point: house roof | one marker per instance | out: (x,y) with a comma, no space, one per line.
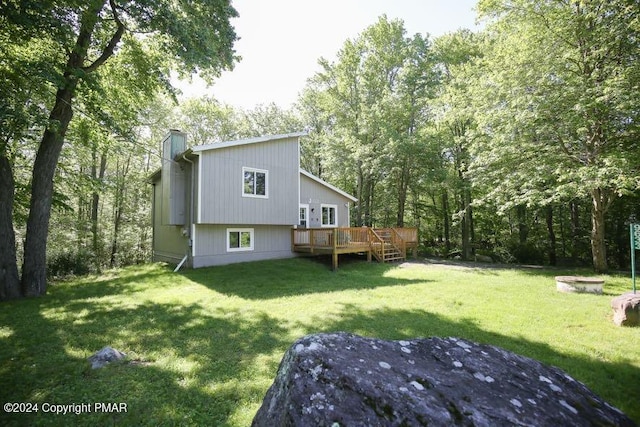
(326,184)
(225,144)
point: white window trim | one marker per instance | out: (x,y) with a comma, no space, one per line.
(266,183)
(240,230)
(306,208)
(335,207)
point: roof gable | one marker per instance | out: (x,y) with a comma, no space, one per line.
(226,144)
(326,184)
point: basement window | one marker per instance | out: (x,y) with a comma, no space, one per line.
(239,239)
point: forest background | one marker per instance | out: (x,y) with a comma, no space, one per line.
(518,142)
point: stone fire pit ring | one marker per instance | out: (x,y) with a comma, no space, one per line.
(579,284)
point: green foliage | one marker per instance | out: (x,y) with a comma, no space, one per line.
(103,60)
(204,346)
(70,263)
(555,94)
(206,120)
(368,108)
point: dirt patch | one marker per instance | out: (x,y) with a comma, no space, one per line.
(463,265)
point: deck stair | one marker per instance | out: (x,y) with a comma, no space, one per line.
(387,245)
(383,244)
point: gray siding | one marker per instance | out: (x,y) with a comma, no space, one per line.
(210,244)
(315,194)
(173,180)
(220,184)
(169,242)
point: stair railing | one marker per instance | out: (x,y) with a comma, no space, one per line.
(376,244)
(399,242)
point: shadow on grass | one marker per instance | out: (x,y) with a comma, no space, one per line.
(122,282)
(194,364)
(617,383)
(291,277)
(187,364)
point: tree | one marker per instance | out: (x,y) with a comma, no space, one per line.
(558,92)
(196,37)
(22,72)
(373,100)
(456,53)
(206,120)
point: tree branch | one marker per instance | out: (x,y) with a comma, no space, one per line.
(111,46)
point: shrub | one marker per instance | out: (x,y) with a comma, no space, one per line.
(70,263)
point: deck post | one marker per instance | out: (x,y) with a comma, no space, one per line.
(311,239)
(334,252)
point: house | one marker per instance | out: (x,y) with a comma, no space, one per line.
(238,201)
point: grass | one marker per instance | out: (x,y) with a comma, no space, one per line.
(204,345)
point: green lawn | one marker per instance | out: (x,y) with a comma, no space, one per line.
(204,345)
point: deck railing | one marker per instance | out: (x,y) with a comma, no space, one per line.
(377,245)
(398,242)
(330,237)
(375,242)
(409,235)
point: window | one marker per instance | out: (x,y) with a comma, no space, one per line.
(239,239)
(329,215)
(304,216)
(255,182)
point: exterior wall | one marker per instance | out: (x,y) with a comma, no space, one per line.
(315,195)
(220,184)
(173,179)
(210,244)
(170,243)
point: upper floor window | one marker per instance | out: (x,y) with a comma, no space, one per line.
(255,182)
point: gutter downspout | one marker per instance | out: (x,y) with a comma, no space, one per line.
(181,262)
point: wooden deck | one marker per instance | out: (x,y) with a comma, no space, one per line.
(385,244)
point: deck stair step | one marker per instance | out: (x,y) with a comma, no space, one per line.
(391,253)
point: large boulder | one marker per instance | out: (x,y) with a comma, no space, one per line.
(342,379)
(626,309)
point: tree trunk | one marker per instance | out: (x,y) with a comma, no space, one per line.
(403,186)
(98,177)
(575,231)
(552,236)
(466,223)
(523,228)
(34,271)
(446,217)
(368,201)
(359,195)
(9,280)
(118,209)
(600,201)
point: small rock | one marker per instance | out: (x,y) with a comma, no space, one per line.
(104,356)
